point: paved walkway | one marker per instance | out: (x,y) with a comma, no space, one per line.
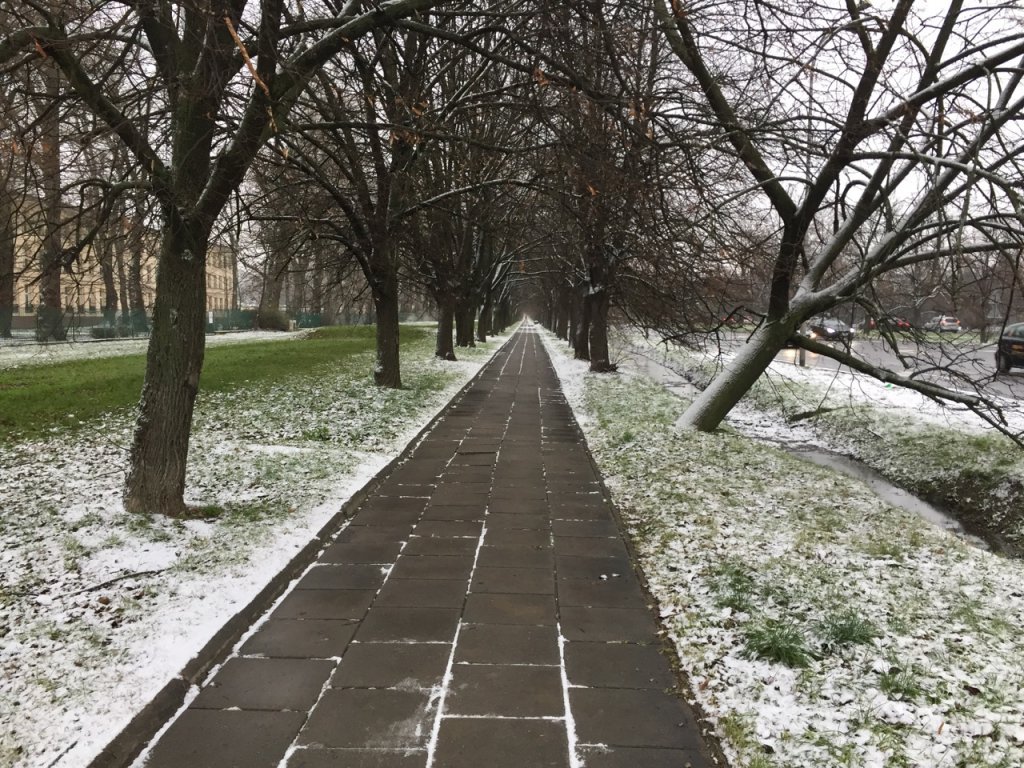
(480,611)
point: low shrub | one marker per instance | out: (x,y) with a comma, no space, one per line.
(272,320)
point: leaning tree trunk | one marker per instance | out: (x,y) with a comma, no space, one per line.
(159,452)
(444,349)
(599,358)
(732,383)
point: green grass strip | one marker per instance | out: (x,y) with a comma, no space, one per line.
(36,399)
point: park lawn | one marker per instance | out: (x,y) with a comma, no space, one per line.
(39,399)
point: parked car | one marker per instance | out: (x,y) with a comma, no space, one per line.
(943,324)
(1010,350)
(829,329)
(895,325)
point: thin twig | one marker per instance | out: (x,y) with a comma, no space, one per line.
(114,580)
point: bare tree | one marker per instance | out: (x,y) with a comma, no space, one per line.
(211,84)
(836,113)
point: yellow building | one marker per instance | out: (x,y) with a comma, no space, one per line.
(82,285)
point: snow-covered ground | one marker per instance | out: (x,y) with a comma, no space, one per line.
(818,625)
(98,608)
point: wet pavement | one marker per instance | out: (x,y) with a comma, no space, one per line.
(480,611)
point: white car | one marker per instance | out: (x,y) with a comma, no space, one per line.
(943,324)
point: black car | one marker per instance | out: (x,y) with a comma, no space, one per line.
(829,329)
(1010,352)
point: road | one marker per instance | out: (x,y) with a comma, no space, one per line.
(969,362)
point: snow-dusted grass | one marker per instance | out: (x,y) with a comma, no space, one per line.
(19,352)
(818,625)
(98,608)
(945,454)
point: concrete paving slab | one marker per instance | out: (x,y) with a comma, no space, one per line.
(617,665)
(505,691)
(392,665)
(432,593)
(576,545)
(357,553)
(387,623)
(503,557)
(375,534)
(631,718)
(594,529)
(271,684)
(608,625)
(214,738)
(527,539)
(476,743)
(507,644)
(449,512)
(602,593)
(510,609)
(446,528)
(434,545)
(582,567)
(325,604)
(369,719)
(330,576)
(313,757)
(512,581)
(433,567)
(634,757)
(304,639)
(497,521)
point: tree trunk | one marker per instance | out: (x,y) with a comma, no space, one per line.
(444,348)
(565,317)
(6,262)
(581,349)
(483,326)
(159,452)
(599,358)
(464,317)
(729,386)
(503,315)
(122,281)
(50,315)
(573,322)
(273,287)
(136,298)
(109,284)
(387,373)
